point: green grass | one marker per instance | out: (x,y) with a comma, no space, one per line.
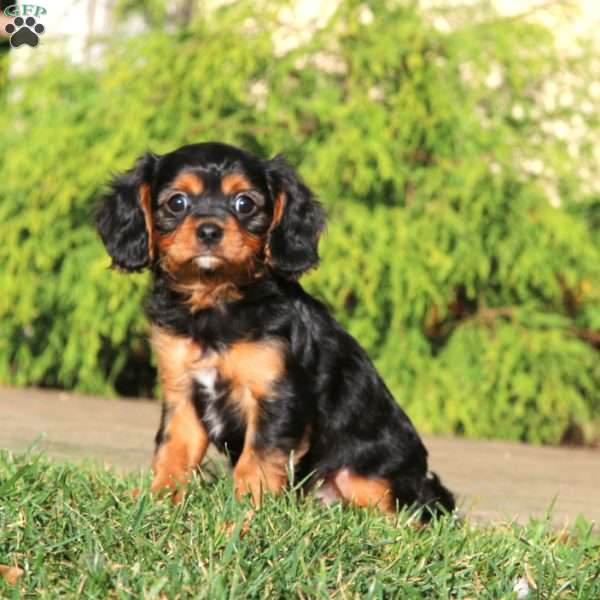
(77,533)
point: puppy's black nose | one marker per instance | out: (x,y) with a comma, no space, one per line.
(209,233)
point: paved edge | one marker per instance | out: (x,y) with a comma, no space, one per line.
(493,480)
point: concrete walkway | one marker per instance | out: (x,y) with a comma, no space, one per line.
(494,480)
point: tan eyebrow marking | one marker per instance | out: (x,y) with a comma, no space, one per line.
(188,182)
(236,182)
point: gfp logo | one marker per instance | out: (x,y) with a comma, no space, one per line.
(25,10)
(24,29)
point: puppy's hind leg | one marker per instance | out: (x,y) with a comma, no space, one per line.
(362,491)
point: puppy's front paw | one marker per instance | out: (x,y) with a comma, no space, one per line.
(173,488)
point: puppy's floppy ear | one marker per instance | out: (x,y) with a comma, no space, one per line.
(124,217)
(298,221)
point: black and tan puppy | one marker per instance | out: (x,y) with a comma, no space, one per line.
(247,359)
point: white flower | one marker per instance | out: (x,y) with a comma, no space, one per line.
(561,130)
(534,166)
(330,63)
(566,99)
(365,15)
(466,72)
(553,198)
(549,103)
(259,91)
(517,112)
(494,78)
(573,149)
(441,24)
(376,93)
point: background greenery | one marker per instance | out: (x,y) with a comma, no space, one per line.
(463,241)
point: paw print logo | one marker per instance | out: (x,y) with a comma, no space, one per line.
(24,31)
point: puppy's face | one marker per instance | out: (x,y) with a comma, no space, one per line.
(209,212)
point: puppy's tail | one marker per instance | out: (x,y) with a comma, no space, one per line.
(435,498)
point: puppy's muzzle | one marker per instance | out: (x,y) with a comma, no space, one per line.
(209,234)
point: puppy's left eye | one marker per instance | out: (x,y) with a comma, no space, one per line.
(244,204)
(177,203)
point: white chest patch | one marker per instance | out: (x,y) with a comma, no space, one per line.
(207,378)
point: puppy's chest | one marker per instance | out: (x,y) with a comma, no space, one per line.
(227,387)
(230,386)
(213,400)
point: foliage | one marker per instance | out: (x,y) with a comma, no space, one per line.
(462,249)
(78,532)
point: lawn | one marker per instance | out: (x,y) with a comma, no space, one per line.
(77,532)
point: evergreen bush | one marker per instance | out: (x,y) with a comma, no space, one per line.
(462,248)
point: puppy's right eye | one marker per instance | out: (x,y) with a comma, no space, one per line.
(178,203)
(244,204)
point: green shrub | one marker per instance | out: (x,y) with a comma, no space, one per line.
(476,296)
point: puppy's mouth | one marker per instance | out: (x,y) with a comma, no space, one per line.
(208,262)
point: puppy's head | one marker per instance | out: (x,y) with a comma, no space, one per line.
(211,213)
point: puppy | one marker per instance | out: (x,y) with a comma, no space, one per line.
(249,361)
